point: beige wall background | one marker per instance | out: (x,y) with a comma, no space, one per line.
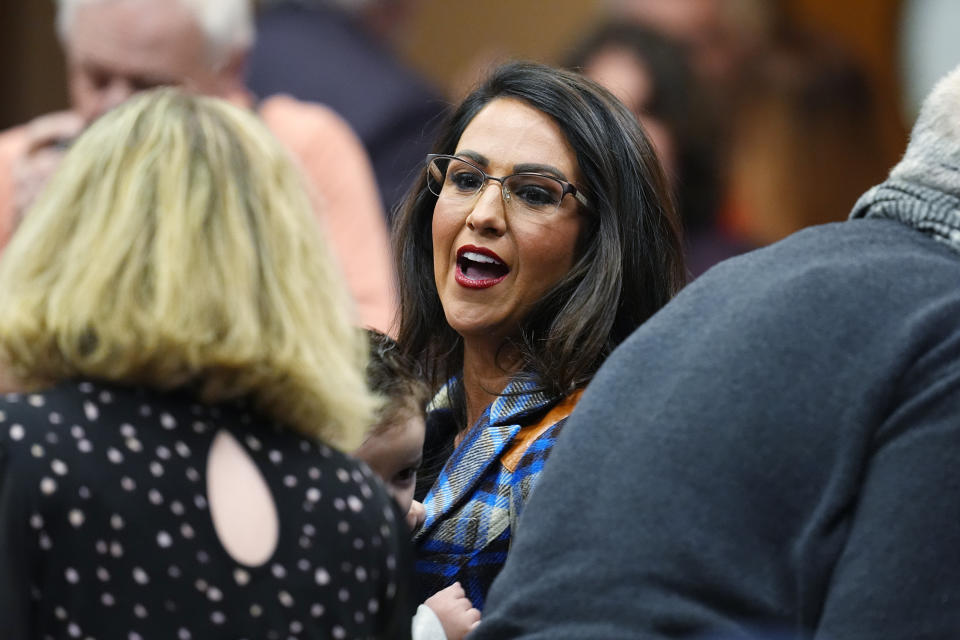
(449,39)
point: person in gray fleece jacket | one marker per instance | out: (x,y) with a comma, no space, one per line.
(776,453)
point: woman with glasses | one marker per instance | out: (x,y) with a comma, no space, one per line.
(538,236)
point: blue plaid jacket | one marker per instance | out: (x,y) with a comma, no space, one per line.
(474,504)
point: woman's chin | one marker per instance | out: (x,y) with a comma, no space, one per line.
(477,328)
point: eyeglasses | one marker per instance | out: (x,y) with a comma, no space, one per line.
(458,181)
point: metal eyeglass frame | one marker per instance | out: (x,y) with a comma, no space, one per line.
(567,187)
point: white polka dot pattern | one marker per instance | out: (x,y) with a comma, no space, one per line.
(120,523)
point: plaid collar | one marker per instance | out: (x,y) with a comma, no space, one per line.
(481,446)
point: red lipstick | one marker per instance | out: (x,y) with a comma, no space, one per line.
(479,267)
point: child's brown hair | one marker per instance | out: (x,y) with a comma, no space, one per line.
(397,379)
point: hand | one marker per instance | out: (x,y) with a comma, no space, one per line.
(46,137)
(416,515)
(457,615)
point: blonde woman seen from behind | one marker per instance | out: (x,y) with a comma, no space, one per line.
(189,373)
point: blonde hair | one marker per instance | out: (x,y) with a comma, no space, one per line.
(227,25)
(176,247)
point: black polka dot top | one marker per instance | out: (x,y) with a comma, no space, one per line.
(106,532)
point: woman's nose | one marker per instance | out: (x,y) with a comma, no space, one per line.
(489,213)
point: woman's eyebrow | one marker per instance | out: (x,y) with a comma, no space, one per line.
(526,167)
(478,158)
(530,167)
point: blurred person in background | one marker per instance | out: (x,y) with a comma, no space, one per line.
(797,124)
(649,72)
(115,48)
(806,139)
(186,368)
(720,35)
(338,53)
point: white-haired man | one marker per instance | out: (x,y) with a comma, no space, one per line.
(115,48)
(775,453)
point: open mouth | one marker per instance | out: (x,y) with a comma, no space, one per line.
(479,268)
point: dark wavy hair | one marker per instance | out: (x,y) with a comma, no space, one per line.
(629,262)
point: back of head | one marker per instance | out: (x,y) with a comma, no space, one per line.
(176,247)
(933,156)
(227,25)
(629,260)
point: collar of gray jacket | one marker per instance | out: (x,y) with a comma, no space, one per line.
(923,189)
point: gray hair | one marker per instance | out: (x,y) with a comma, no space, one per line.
(933,155)
(226,24)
